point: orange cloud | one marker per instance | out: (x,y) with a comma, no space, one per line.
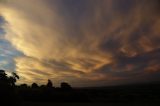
(56,46)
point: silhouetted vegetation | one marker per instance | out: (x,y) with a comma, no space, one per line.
(13,93)
(65,86)
(44,93)
(49,84)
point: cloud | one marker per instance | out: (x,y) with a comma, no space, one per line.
(74,40)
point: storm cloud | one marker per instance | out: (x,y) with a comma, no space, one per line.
(84,42)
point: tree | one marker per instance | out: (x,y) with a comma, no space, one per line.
(65,86)
(49,84)
(3,78)
(23,86)
(3,75)
(13,79)
(34,85)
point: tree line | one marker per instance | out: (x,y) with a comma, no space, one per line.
(9,91)
(6,80)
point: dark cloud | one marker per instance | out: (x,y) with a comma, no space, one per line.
(124,6)
(134,68)
(86,42)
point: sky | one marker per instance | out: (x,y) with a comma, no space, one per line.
(82,42)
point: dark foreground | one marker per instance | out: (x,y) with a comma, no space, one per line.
(129,95)
(89,104)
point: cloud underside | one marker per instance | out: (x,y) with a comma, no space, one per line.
(99,42)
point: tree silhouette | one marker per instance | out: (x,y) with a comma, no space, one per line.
(5,80)
(24,86)
(13,79)
(65,86)
(34,85)
(49,84)
(3,77)
(7,86)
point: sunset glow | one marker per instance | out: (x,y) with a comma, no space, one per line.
(83,42)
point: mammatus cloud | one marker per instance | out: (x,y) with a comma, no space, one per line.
(86,43)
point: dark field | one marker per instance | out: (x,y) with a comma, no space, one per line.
(129,95)
(132,95)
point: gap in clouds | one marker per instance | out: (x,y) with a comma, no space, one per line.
(7,52)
